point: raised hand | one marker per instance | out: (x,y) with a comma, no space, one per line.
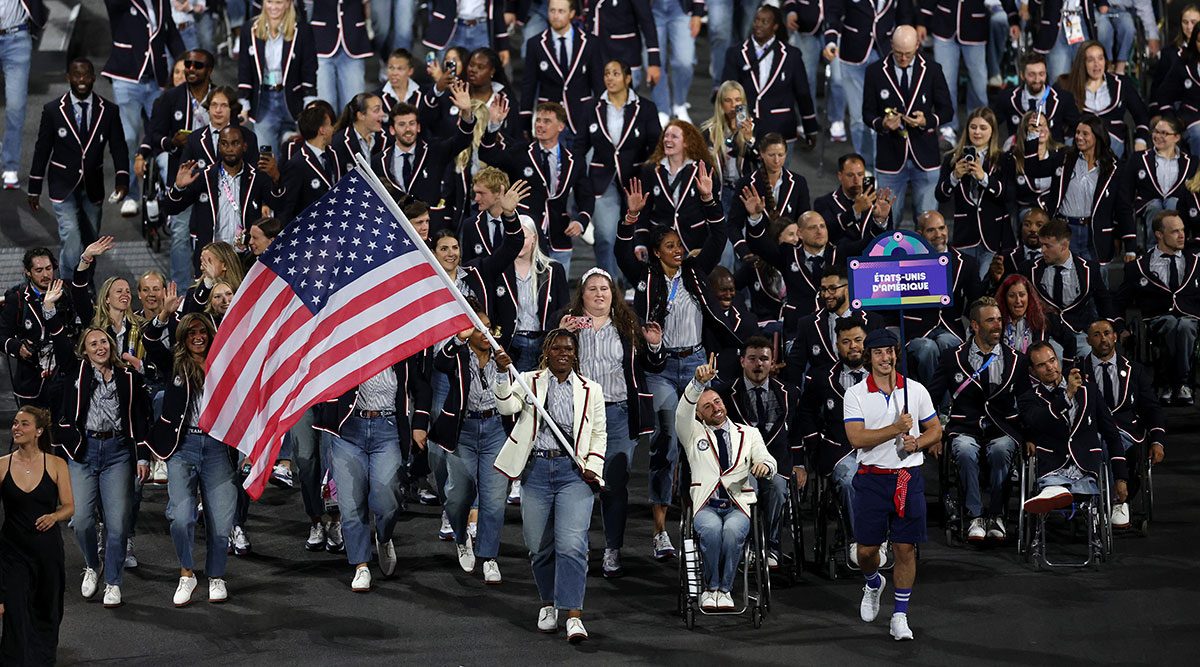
(98,247)
(752,201)
(460,95)
(705,373)
(187,174)
(704,182)
(498,109)
(170,302)
(53,294)
(634,197)
(514,195)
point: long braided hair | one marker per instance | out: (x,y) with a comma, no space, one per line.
(544,361)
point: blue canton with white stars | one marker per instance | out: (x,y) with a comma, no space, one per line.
(340,237)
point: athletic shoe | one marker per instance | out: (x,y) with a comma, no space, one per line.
(680,111)
(708,600)
(281,476)
(900,630)
(316,537)
(158,472)
(239,541)
(491,572)
(333,537)
(514,493)
(995,82)
(773,558)
(996,530)
(131,561)
(1165,397)
(466,556)
(1120,515)
(575,631)
(216,590)
(978,530)
(1051,498)
(11,180)
(472,530)
(387,556)
(663,119)
(1184,395)
(183,593)
(725,601)
(663,549)
(446,532)
(362,580)
(548,619)
(112,596)
(853,550)
(883,554)
(949,135)
(868,609)
(129,208)
(427,497)
(612,563)
(90,581)
(837,132)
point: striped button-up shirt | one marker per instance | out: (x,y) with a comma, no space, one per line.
(560,403)
(601,357)
(684,323)
(104,411)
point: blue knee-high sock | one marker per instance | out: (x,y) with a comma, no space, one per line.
(902,595)
(874,580)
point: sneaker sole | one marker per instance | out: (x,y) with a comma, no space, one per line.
(1045,505)
(576,639)
(113,606)
(446,538)
(241,552)
(548,632)
(902,639)
(217,601)
(177,605)
(613,574)
(977,538)
(314,547)
(660,557)
(339,549)
(361,590)
(493,583)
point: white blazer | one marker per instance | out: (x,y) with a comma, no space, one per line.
(589,431)
(746,448)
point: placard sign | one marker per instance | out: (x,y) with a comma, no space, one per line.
(899,271)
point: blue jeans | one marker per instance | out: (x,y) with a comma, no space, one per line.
(311,450)
(721,32)
(182,248)
(340,77)
(981,255)
(470,38)
(1001,452)
(810,51)
(946,52)
(471,472)
(1192,136)
(667,388)
(606,218)
(1153,208)
(365,461)
(526,351)
(437,455)
(618,462)
(861,136)
(201,464)
(102,481)
(923,184)
(997,40)
(1081,241)
(78,226)
(393,21)
(722,533)
(556,511)
(16,51)
(773,495)
(1115,32)
(199,35)
(678,51)
(236,11)
(272,119)
(843,481)
(536,24)
(563,257)
(924,352)
(136,101)
(1058,61)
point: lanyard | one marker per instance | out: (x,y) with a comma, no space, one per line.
(975,375)
(675,283)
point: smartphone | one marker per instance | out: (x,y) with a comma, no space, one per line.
(452,67)
(265,150)
(968,156)
(430,58)
(581,321)
(868,183)
(741,114)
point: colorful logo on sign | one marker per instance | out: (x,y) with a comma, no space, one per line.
(900,271)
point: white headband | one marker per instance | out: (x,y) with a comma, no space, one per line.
(595,271)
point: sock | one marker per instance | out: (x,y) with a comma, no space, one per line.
(874,581)
(902,595)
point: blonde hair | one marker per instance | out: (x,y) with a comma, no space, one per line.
(114,359)
(287,24)
(1018,147)
(101,320)
(716,128)
(228,256)
(541,263)
(964,139)
(208,307)
(482,115)
(493,179)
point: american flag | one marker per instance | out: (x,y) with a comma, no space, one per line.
(343,293)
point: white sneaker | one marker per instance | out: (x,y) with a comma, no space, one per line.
(978,530)
(663,549)
(333,537)
(949,135)
(900,630)
(680,111)
(316,537)
(514,492)
(725,601)
(131,561)
(466,556)
(129,208)
(996,530)
(837,131)
(446,532)
(575,631)
(281,476)
(854,554)
(612,563)
(1184,395)
(158,472)
(216,590)
(708,600)
(238,541)
(772,560)
(90,581)
(995,82)
(472,530)
(362,580)
(868,609)
(387,556)
(1165,397)
(112,596)
(491,572)
(183,593)
(883,554)
(548,619)
(1051,498)
(663,119)
(11,180)
(1120,515)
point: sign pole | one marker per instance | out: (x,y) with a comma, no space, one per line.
(903,360)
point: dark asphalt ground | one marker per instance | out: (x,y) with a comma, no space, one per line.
(289,606)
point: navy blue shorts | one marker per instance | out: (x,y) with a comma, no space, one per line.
(875,519)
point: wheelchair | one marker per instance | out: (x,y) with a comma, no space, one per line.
(954,516)
(1142,509)
(832,531)
(791,534)
(1095,512)
(753,572)
(154,226)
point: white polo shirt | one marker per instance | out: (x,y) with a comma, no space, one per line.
(866,403)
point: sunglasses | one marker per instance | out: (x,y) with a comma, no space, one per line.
(195,64)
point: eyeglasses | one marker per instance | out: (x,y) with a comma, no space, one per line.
(832,288)
(195,64)
(1164,133)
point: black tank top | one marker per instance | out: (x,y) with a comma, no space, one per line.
(21,510)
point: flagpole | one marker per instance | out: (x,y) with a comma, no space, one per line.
(367,173)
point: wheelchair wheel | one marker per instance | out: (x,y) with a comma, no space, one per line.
(689,617)
(1144,527)
(756,617)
